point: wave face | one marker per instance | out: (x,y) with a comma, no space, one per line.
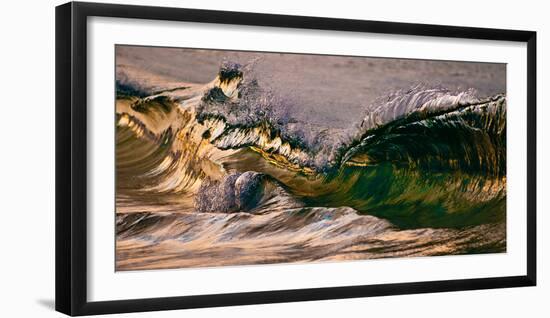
(222,167)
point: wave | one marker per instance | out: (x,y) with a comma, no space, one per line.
(424,157)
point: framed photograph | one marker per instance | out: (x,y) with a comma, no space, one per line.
(208,158)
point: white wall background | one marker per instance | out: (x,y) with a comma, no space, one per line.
(27,159)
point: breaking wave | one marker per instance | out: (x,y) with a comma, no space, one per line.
(425,157)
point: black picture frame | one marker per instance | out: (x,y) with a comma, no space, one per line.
(71,157)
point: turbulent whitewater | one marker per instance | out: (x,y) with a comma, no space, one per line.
(221,174)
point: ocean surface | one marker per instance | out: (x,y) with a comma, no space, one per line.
(239,158)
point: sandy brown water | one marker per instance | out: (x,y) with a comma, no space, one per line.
(175,240)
